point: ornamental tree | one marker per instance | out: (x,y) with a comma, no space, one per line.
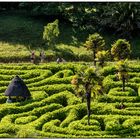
(122,72)
(101,57)
(121,49)
(84,81)
(51,32)
(95,43)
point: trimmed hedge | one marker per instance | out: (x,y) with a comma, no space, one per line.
(118,92)
(25,120)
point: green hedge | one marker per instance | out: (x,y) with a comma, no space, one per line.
(118,92)
(112,124)
(108,70)
(25,120)
(114,99)
(77,125)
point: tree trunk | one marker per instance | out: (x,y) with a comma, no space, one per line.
(94,57)
(88,95)
(123,83)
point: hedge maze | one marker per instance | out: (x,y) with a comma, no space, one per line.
(54,111)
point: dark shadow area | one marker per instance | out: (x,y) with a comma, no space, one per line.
(19,27)
(66,54)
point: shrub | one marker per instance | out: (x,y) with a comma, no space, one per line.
(25,120)
(108,83)
(118,92)
(108,70)
(42,110)
(63,73)
(5,135)
(112,124)
(27,132)
(51,81)
(128,124)
(114,99)
(139,91)
(79,126)
(38,95)
(74,114)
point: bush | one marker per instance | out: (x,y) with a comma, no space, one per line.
(112,124)
(75,114)
(108,83)
(63,73)
(51,81)
(139,91)
(118,92)
(39,95)
(5,135)
(25,120)
(128,124)
(114,99)
(27,132)
(108,70)
(77,125)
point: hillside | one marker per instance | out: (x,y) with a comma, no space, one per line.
(20,33)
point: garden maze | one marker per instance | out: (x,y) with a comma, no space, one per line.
(55,112)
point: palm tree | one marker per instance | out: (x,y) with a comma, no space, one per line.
(122,69)
(102,56)
(86,80)
(121,49)
(95,43)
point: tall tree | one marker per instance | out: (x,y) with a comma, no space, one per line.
(121,49)
(122,18)
(95,42)
(102,56)
(86,80)
(51,32)
(122,69)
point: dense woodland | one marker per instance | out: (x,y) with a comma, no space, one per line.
(121,18)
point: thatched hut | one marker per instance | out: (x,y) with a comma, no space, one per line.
(17,90)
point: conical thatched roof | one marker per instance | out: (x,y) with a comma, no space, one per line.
(17,87)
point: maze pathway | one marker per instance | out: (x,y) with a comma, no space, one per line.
(55,112)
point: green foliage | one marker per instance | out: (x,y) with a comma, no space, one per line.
(118,92)
(102,56)
(75,114)
(109,15)
(55,112)
(5,135)
(78,126)
(114,99)
(112,124)
(27,132)
(122,74)
(25,120)
(139,91)
(51,32)
(121,49)
(108,70)
(95,43)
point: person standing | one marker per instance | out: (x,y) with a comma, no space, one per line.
(33,57)
(42,56)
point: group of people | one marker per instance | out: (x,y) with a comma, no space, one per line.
(43,56)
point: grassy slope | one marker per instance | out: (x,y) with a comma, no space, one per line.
(18,33)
